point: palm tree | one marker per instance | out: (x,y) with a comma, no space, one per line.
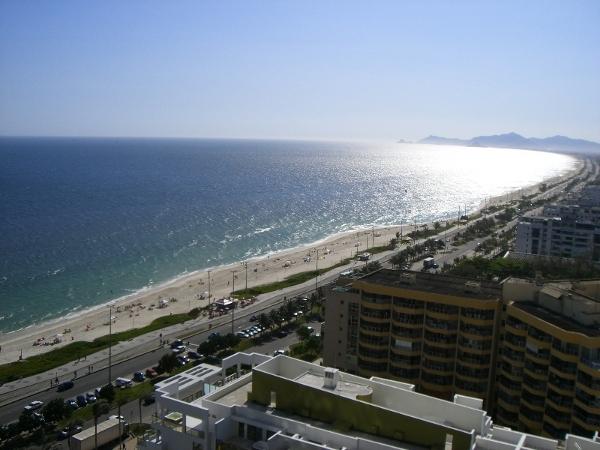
(121,400)
(275,317)
(99,408)
(264,321)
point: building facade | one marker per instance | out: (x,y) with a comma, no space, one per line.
(530,350)
(549,377)
(439,333)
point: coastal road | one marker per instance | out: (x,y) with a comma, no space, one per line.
(87,383)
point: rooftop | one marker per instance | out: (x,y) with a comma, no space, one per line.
(556,319)
(437,283)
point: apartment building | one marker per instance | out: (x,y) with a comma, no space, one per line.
(530,350)
(549,375)
(558,237)
(437,332)
(569,230)
(261,403)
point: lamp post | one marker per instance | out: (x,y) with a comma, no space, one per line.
(233,300)
(209,288)
(109,342)
(317,275)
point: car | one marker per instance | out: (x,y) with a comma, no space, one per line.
(253,319)
(119,418)
(179,349)
(241,334)
(281,334)
(278,352)
(36,404)
(149,399)
(67,432)
(139,376)
(123,382)
(65,385)
(194,355)
(311,330)
(151,373)
(213,335)
(91,397)
(176,343)
(182,360)
(71,404)
(81,401)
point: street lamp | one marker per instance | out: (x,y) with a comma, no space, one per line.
(233,300)
(317,275)
(209,288)
(110,305)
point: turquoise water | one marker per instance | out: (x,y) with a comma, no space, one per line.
(83,221)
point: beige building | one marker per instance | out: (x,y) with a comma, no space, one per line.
(437,332)
(530,350)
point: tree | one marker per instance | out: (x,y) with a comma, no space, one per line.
(107,393)
(264,321)
(303,333)
(27,421)
(121,400)
(99,408)
(168,362)
(275,317)
(56,410)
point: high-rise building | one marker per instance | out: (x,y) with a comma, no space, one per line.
(570,230)
(437,332)
(549,378)
(529,349)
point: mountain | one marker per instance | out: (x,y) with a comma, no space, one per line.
(514,140)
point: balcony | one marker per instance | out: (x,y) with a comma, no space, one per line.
(473,359)
(509,385)
(439,339)
(478,316)
(440,326)
(375,317)
(436,353)
(540,357)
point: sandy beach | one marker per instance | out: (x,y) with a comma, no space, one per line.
(190,291)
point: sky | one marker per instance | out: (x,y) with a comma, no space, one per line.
(300,69)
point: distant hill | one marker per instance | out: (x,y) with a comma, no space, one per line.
(514,140)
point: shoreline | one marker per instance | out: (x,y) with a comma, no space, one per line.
(139,308)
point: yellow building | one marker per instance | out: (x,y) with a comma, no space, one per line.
(531,350)
(549,375)
(437,332)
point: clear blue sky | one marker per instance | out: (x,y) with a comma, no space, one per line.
(305,69)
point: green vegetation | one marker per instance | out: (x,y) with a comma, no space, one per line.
(551,268)
(55,358)
(292,280)
(308,349)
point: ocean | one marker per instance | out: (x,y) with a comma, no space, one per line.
(84,221)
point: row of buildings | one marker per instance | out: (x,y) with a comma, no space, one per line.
(256,402)
(567,230)
(529,349)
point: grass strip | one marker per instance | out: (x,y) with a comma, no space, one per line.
(292,280)
(78,349)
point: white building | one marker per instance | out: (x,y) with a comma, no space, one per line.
(284,403)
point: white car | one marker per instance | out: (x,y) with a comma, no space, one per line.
(36,404)
(120,418)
